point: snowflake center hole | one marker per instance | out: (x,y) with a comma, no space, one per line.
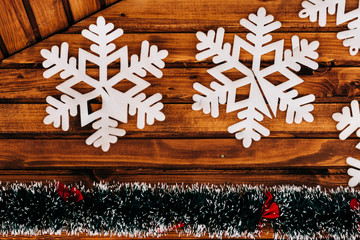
(124,85)
(82,87)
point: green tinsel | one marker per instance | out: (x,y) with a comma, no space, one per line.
(152,210)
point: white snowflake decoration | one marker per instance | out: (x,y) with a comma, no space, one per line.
(317,10)
(349,122)
(261,90)
(116,105)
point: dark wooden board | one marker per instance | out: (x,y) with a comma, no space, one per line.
(327,84)
(49,15)
(182,48)
(190,16)
(181,122)
(177,153)
(83,8)
(15,28)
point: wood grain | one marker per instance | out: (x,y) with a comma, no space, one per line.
(50,16)
(189,146)
(109,2)
(327,84)
(190,16)
(181,122)
(312,177)
(83,8)
(15,28)
(177,154)
(182,48)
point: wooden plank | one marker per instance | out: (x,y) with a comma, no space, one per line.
(177,154)
(50,16)
(15,28)
(19,120)
(190,16)
(312,177)
(176,86)
(182,48)
(109,2)
(83,8)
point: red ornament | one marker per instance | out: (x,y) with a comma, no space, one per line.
(355,205)
(270,210)
(74,195)
(177,226)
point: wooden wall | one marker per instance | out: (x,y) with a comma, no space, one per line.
(25,22)
(189,146)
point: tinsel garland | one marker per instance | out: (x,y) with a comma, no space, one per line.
(141,210)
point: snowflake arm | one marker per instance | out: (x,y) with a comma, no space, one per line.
(106,133)
(150,60)
(100,34)
(354,171)
(211,45)
(302,53)
(59,111)
(297,109)
(314,8)
(209,103)
(249,129)
(148,109)
(259,26)
(349,120)
(62,64)
(59,63)
(351,37)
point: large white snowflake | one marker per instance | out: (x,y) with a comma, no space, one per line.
(317,10)
(349,123)
(116,105)
(264,95)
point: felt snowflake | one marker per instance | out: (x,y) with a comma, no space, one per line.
(264,96)
(115,104)
(349,123)
(316,10)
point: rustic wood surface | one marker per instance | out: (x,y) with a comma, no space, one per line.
(182,48)
(15,28)
(83,8)
(24,22)
(50,16)
(189,146)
